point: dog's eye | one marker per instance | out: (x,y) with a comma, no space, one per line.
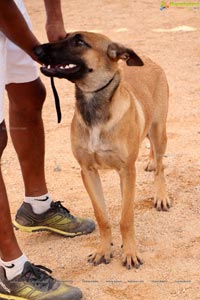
(79,42)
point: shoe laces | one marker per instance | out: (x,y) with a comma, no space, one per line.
(36,274)
(58,206)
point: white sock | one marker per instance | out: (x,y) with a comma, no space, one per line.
(39,204)
(14,267)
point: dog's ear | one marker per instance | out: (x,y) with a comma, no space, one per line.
(117,51)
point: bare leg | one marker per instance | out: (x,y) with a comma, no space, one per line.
(27,132)
(9,248)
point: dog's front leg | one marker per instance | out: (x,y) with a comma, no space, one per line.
(93,186)
(127,180)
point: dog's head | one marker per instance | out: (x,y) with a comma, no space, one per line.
(84,57)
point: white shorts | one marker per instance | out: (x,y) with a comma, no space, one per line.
(15,65)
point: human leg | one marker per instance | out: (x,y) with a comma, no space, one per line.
(9,248)
(27,132)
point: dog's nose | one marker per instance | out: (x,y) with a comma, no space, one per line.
(39,52)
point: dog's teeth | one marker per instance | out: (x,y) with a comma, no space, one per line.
(48,67)
(61,67)
(70,66)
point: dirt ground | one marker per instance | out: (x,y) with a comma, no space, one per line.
(169,242)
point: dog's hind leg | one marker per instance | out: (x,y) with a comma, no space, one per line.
(93,186)
(158,137)
(151,165)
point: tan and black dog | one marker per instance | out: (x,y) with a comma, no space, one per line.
(116,108)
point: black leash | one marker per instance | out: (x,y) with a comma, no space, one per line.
(57,101)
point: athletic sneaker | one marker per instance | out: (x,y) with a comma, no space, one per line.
(35,284)
(56,219)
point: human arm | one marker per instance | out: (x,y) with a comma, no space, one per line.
(13,25)
(54,22)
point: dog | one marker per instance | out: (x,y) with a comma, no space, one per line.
(117,106)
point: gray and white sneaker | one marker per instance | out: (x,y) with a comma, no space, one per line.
(35,284)
(56,219)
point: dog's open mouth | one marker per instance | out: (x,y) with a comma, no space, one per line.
(60,70)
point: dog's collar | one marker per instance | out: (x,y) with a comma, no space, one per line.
(56,97)
(105,86)
(101,88)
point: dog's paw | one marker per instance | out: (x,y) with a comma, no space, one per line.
(131,260)
(151,166)
(99,257)
(162,204)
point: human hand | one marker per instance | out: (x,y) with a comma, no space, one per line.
(55,31)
